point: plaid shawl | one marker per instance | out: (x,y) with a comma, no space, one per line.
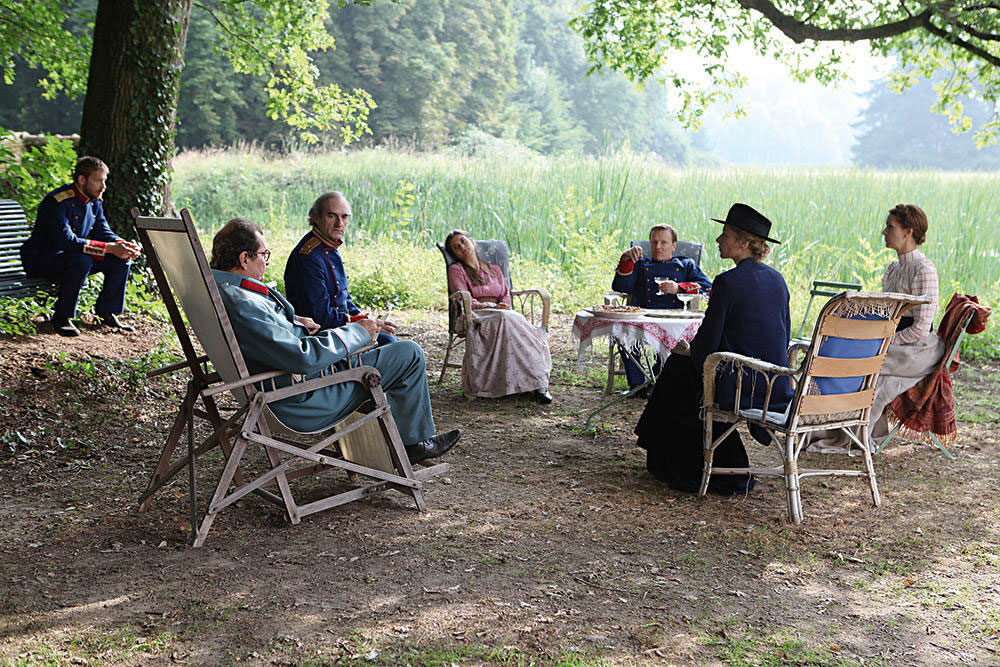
(930,404)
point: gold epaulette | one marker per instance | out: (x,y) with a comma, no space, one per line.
(309,246)
(64,195)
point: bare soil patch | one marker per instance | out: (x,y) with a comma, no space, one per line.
(544,545)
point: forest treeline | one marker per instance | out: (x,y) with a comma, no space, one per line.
(442,72)
(472,74)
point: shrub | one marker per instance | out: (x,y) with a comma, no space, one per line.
(39,170)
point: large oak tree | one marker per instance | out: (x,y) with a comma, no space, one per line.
(957,40)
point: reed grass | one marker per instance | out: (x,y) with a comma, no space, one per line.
(567,218)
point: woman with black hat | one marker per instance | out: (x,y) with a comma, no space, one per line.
(747,314)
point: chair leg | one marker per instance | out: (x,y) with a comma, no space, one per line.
(888,438)
(611,367)
(869,465)
(291,508)
(793,492)
(707,453)
(937,443)
(220,490)
(447,356)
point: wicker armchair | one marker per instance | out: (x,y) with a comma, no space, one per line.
(461,314)
(834,388)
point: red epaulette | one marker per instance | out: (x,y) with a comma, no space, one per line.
(309,246)
(253,286)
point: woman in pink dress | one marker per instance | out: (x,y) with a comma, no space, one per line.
(504,353)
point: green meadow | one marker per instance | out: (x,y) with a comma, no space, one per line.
(566,219)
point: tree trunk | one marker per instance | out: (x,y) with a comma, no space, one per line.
(130,110)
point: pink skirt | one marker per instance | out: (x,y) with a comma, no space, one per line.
(504,354)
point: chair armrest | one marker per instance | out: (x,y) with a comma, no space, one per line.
(528,295)
(713,361)
(370,346)
(242,382)
(796,348)
(366,375)
(460,307)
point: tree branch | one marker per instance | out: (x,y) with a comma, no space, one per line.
(979,34)
(242,38)
(961,43)
(799,31)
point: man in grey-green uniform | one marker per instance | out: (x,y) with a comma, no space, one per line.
(272,337)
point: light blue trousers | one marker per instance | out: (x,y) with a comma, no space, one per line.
(404,382)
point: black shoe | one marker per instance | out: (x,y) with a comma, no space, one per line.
(65,328)
(432,447)
(542,396)
(113,322)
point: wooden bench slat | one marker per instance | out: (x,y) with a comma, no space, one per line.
(14,231)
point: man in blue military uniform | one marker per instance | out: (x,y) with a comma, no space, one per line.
(315,280)
(637,276)
(748,315)
(272,337)
(71,240)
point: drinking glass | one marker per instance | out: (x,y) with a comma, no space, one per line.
(659,282)
(686,299)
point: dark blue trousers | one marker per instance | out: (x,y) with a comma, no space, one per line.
(385,339)
(71,269)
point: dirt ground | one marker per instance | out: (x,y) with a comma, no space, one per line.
(542,545)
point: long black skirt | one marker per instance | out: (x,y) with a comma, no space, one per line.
(672,434)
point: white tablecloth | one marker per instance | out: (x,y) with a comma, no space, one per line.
(660,334)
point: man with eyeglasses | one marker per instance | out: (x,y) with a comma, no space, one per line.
(272,337)
(315,280)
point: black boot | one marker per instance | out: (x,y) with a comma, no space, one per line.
(65,328)
(542,396)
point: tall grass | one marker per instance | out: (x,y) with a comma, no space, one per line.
(551,210)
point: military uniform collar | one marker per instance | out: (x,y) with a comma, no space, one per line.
(241,281)
(328,242)
(80,194)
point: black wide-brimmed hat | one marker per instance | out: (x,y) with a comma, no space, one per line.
(746,218)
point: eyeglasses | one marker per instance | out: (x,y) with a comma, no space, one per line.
(266,254)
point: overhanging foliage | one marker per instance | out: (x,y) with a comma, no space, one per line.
(960,39)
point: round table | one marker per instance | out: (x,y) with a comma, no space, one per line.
(660,334)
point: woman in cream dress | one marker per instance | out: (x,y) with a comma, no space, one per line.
(915,350)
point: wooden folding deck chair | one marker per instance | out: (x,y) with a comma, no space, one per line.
(834,389)
(180,268)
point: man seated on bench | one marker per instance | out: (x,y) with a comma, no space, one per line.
(272,337)
(71,240)
(654,282)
